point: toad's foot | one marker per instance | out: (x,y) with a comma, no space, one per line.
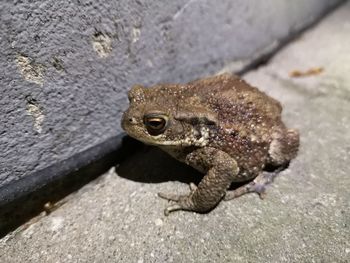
(222,169)
(258,185)
(183,202)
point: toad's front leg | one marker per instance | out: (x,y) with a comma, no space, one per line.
(221,171)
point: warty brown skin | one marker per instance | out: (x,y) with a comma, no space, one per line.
(221,126)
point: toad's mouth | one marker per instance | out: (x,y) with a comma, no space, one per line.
(160,140)
(163,140)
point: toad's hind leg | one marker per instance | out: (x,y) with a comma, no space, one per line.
(222,169)
(284,147)
(258,185)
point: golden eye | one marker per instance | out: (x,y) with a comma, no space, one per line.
(155,124)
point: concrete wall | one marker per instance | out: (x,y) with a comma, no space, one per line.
(66,65)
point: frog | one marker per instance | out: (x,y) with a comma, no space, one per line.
(220,125)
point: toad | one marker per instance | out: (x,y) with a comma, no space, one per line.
(221,126)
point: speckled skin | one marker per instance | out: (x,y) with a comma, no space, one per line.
(221,126)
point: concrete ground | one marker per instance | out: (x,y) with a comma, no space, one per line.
(304,218)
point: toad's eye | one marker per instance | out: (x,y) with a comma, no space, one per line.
(155,124)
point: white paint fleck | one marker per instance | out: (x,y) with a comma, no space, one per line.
(38,117)
(31,71)
(102,44)
(136,32)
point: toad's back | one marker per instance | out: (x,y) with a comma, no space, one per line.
(247,121)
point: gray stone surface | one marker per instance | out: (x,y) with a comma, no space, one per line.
(65,65)
(304,218)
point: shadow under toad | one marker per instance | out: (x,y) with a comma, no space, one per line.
(151,165)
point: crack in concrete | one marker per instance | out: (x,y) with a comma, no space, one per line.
(183,8)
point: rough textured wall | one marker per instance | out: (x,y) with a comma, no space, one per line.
(66,65)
